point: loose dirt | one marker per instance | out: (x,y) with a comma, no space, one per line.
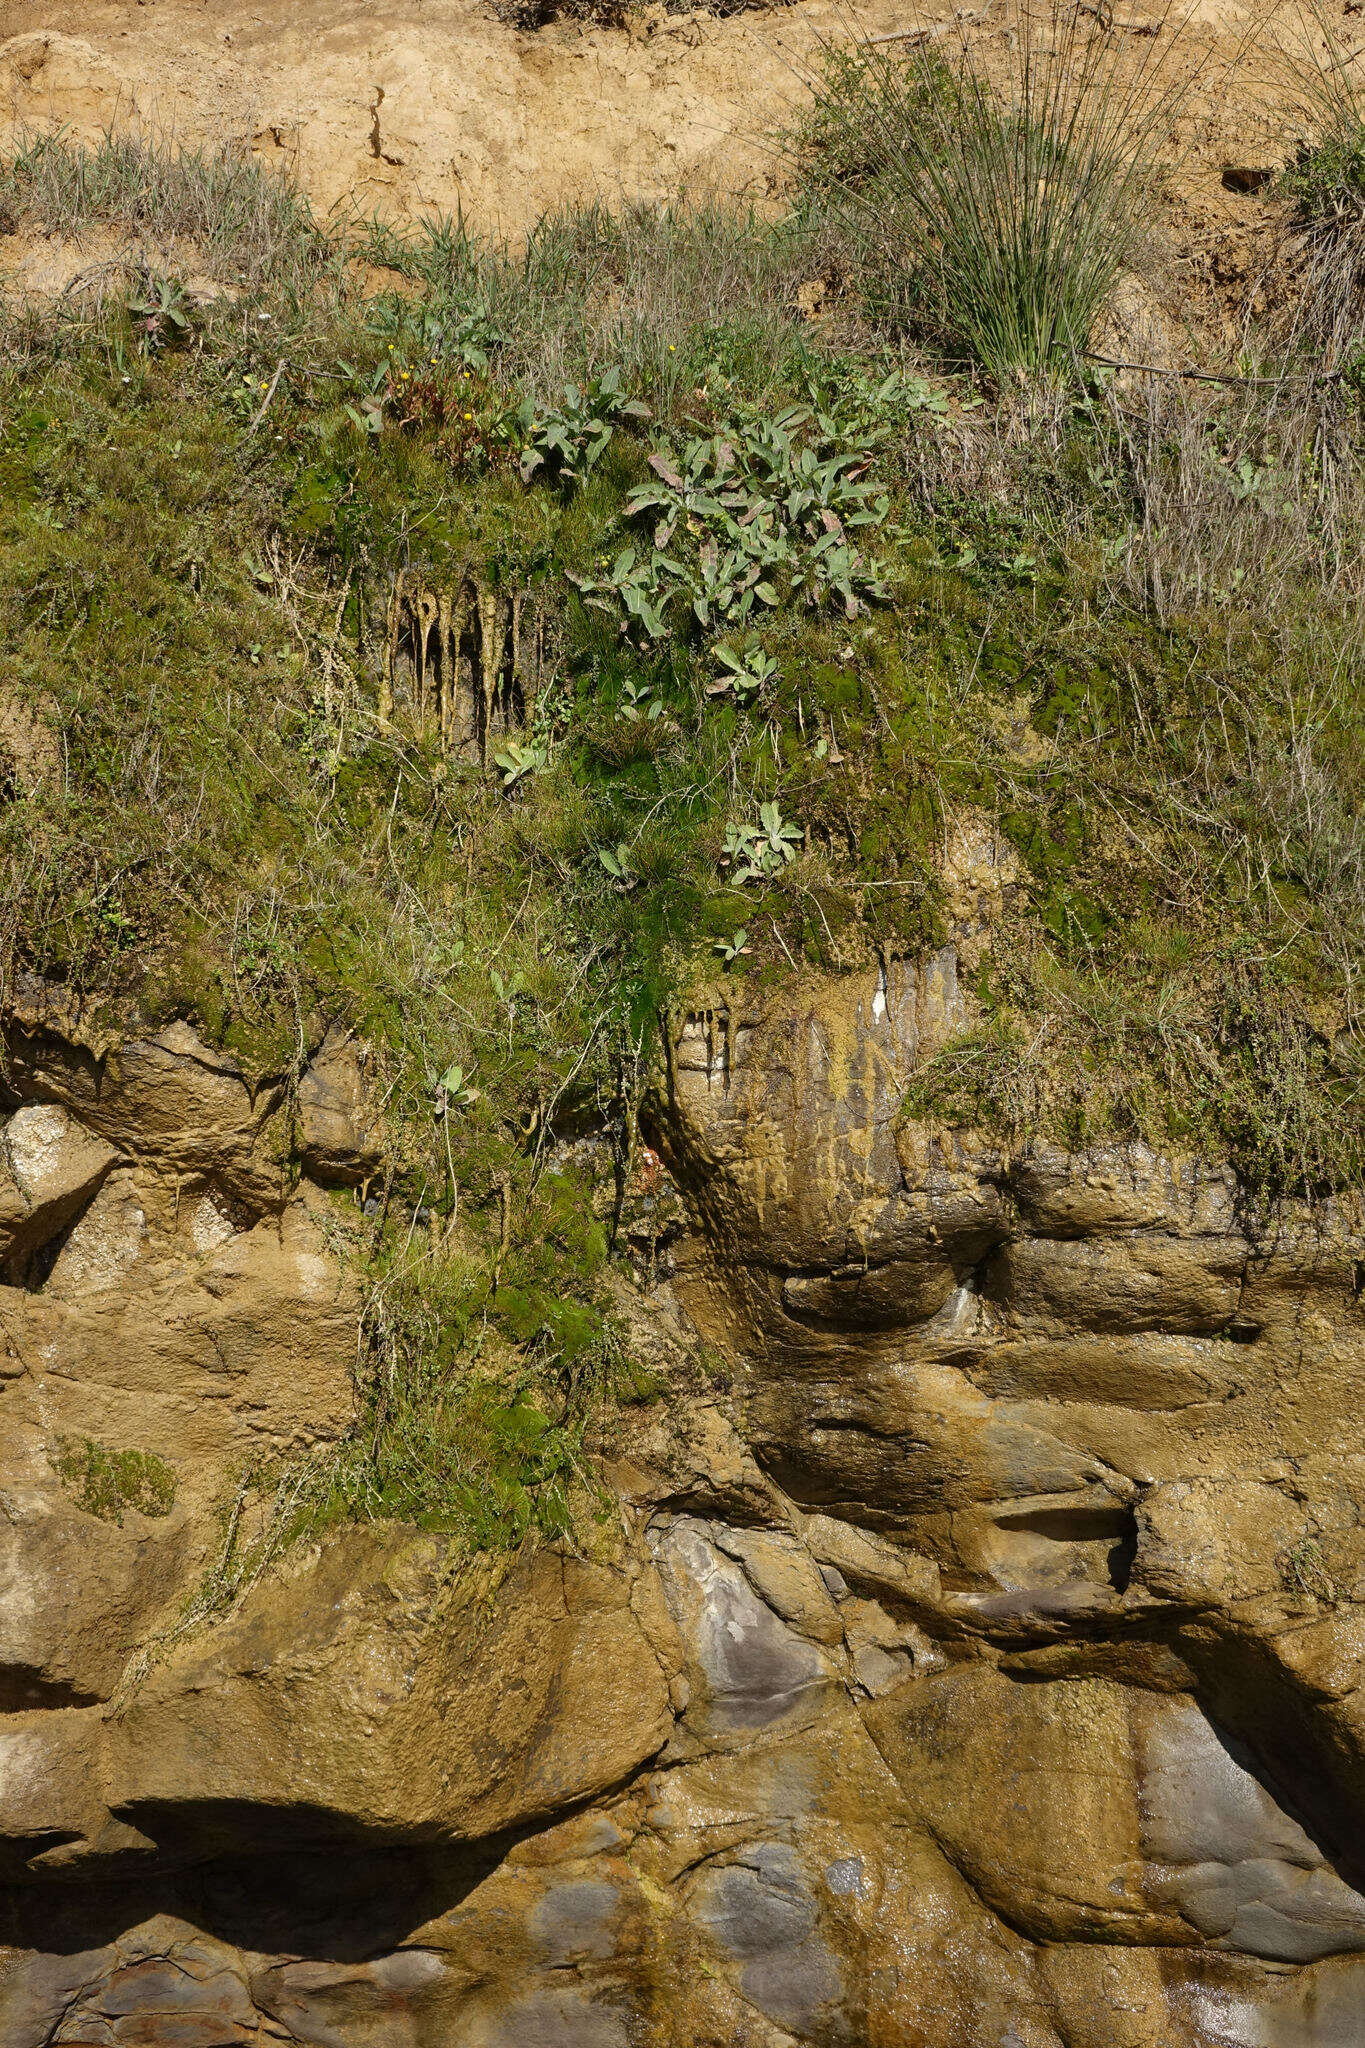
(438,106)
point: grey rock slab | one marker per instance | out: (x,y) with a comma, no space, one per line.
(1227,1855)
(753,1668)
(761,1911)
(574,1922)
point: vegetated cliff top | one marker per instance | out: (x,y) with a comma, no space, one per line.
(501,652)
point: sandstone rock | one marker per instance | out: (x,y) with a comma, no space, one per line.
(164,1985)
(102,1245)
(351,1693)
(52,1810)
(337,1139)
(976,1658)
(50,1167)
(168,1099)
(199,1357)
(392,2000)
(784,1575)
(77,1596)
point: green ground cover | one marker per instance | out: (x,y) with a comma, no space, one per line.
(802,591)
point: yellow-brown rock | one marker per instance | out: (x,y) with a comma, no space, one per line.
(982,1667)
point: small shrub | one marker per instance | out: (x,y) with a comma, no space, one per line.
(533,14)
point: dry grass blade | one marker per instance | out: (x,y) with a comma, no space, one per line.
(1248,495)
(247,223)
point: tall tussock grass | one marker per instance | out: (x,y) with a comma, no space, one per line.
(993,194)
(1325,182)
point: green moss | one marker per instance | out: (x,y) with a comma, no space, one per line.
(107,1483)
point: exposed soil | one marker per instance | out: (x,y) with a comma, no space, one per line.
(418,105)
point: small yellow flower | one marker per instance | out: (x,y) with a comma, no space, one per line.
(469,415)
(671,349)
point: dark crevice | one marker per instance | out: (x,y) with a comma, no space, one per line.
(329,1901)
(313,1885)
(38,1266)
(1123,1555)
(24,1690)
(1080,1524)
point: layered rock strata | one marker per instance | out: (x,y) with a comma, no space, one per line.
(976,1659)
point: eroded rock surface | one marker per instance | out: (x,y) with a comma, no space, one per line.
(983,1666)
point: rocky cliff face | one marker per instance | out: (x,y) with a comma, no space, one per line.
(981,1666)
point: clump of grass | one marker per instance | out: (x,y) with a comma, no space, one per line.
(1088,1056)
(107,1483)
(678,298)
(487,1372)
(997,214)
(1251,491)
(1325,181)
(248,225)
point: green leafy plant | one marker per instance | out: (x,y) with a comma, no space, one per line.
(520,758)
(735,947)
(727,584)
(371,391)
(1258,484)
(160,312)
(619,864)
(453,1089)
(638,701)
(755,853)
(640,585)
(768,502)
(569,440)
(744,672)
(464,333)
